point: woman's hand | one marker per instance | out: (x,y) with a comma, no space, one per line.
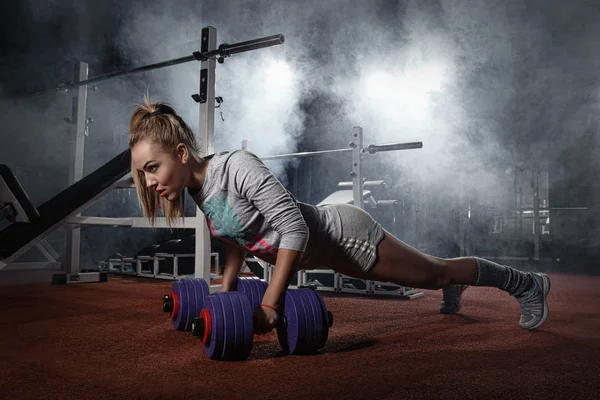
(264,319)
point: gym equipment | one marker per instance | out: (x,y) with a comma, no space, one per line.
(185,301)
(225,326)
(357,195)
(226,329)
(518,230)
(170,260)
(19,237)
(24,226)
(306,322)
(253,288)
(188,296)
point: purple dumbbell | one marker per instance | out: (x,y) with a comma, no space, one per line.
(225,326)
(185,302)
(305,323)
(226,329)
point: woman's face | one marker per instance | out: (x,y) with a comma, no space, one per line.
(165,172)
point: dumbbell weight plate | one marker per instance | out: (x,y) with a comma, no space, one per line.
(304,324)
(326,322)
(313,319)
(191,303)
(180,319)
(254,288)
(213,347)
(241,318)
(307,322)
(189,295)
(290,334)
(201,293)
(230,319)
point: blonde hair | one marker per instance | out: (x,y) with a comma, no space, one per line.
(160,124)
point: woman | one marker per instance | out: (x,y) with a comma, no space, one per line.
(249,209)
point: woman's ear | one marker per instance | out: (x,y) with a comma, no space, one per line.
(182,153)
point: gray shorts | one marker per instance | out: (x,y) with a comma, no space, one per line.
(360,236)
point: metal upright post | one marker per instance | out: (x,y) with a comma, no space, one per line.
(535,184)
(357,179)
(207,91)
(206,131)
(357,182)
(461,216)
(79,119)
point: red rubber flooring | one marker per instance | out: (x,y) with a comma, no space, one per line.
(112,341)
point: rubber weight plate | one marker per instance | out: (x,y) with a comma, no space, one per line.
(313,321)
(291,333)
(185,301)
(326,321)
(254,289)
(225,326)
(202,291)
(306,322)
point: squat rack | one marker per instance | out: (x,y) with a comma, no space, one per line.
(208,55)
(358,184)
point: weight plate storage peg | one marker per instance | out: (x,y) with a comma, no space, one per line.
(225,326)
(185,302)
(305,322)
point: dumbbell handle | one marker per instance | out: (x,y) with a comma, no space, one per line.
(282,323)
(198,326)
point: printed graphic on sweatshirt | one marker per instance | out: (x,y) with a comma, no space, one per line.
(224,223)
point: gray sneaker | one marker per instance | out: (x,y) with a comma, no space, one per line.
(452,300)
(534,304)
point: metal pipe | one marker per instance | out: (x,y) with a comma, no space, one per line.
(306,154)
(371,149)
(375,148)
(366,184)
(387,203)
(79,117)
(357,169)
(530,209)
(225,50)
(206,134)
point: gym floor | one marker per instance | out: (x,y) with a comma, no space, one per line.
(112,341)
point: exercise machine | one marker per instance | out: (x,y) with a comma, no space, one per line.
(354,192)
(18,237)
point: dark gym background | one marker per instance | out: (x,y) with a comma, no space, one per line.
(519,87)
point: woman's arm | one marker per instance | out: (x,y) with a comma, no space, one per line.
(234,261)
(286,265)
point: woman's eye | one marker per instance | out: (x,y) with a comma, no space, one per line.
(152,169)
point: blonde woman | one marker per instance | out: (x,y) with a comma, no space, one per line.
(248,208)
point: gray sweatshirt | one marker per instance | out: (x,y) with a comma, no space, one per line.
(245,205)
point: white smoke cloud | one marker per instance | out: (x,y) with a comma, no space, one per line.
(472,80)
(261,89)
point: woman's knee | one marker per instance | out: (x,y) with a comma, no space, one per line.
(439,276)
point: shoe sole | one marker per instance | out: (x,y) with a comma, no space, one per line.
(453,311)
(459,304)
(546,286)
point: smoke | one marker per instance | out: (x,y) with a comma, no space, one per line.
(489,88)
(261,89)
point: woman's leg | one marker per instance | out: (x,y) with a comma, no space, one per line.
(401,264)
(404,265)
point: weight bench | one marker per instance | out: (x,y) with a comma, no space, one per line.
(23,226)
(15,206)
